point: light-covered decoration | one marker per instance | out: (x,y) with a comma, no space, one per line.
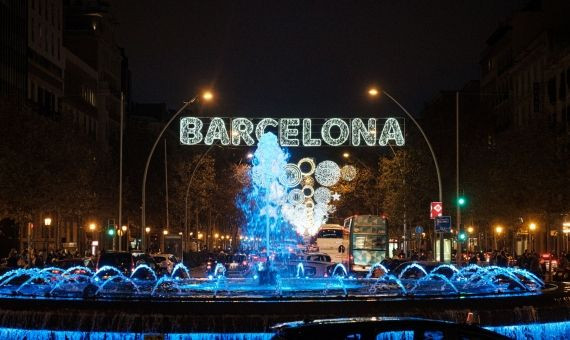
(360,130)
(310,162)
(217,131)
(262,125)
(292,176)
(322,195)
(242,129)
(296,196)
(190,130)
(288,130)
(309,203)
(348,172)
(336,196)
(327,173)
(308,180)
(307,132)
(326,132)
(391,131)
(331,209)
(333,131)
(308,191)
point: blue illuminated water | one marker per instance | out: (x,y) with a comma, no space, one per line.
(290,281)
(554,330)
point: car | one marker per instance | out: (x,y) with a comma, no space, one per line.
(313,264)
(146,259)
(165,262)
(416,273)
(122,260)
(237,265)
(74,262)
(381,328)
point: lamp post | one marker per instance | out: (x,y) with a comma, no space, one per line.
(207,96)
(373,92)
(92,229)
(531,229)
(470,230)
(124,229)
(145,236)
(47,223)
(498,231)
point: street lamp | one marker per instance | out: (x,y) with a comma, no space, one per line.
(498,231)
(206,96)
(346,155)
(124,231)
(373,92)
(47,223)
(531,229)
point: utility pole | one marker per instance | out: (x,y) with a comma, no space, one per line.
(121,165)
(459,244)
(166,182)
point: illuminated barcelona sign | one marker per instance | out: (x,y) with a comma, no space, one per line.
(292,131)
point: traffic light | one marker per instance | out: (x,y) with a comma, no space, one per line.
(461,201)
(462,236)
(111,231)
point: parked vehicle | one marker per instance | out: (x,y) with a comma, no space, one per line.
(146,259)
(122,260)
(313,264)
(165,262)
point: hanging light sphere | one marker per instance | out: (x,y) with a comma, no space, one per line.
(348,173)
(327,173)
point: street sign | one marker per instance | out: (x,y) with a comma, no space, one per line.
(436,209)
(419,229)
(443,224)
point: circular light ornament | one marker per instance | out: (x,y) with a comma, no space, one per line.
(292,176)
(296,196)
(348,172)
(310,162)
(309,205)
(322,195)
(308,180)
(308,191)
(327,173)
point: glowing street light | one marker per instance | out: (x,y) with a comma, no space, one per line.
(147,229)
(92,227)
(249,155)
(206,96)
(373,91)
(499,229)
(165,232)
(470,230)
(346,155)
(216,235)
(532,226)
(47,221)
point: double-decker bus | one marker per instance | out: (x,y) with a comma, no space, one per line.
(332,239)
(368,241)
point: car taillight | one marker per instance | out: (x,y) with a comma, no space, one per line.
(244,263)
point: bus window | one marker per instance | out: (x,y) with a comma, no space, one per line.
(330,233)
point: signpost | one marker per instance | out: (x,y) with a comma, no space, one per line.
(436,209)
(442,225)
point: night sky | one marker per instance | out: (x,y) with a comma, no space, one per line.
(296,58)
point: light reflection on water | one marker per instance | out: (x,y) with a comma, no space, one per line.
(554,330)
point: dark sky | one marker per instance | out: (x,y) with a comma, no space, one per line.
(304,57)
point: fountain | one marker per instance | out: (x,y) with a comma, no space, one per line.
(105,303)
